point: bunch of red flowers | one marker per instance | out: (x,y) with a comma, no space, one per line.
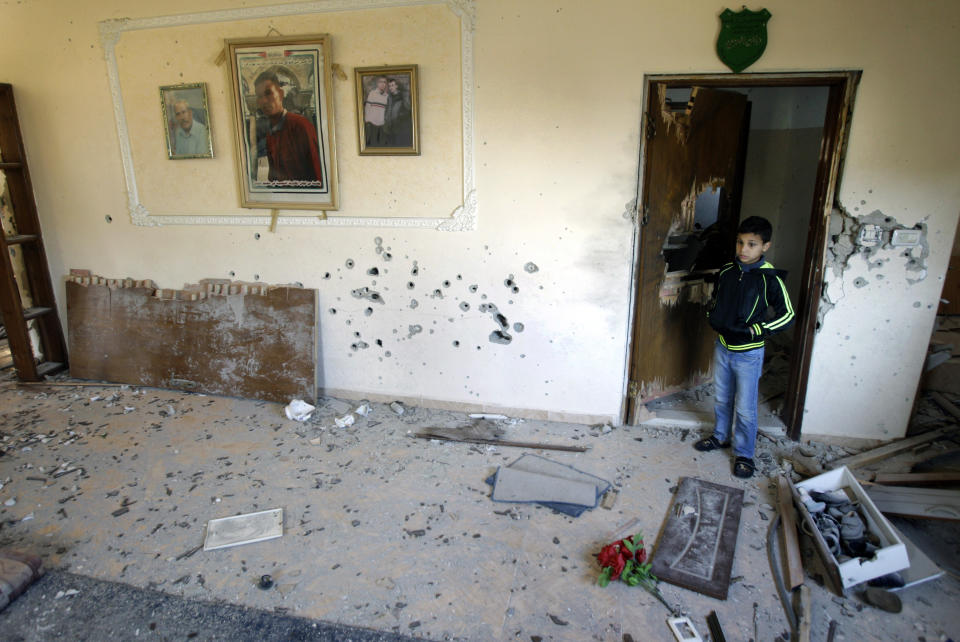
(626,560)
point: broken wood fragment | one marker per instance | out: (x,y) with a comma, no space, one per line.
(929,503)
(791,545)
(915,479)
(888,450)
(945,403)
(500,442)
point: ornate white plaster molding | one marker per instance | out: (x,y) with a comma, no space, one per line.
(463,218)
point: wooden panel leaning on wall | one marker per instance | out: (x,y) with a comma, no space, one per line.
(229,338)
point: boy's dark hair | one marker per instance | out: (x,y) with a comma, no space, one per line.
(756,225)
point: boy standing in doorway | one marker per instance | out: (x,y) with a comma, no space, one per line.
(745,290)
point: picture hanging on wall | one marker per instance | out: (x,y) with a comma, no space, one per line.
(387,110)
(186,121)
(283,122)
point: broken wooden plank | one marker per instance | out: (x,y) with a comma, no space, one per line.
(500,442)
(915,479)
(891,449)
(791,545)
(804,615)
(698,542)
(240,340)
(945,403)
(930,503)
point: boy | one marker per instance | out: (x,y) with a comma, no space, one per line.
(744,291)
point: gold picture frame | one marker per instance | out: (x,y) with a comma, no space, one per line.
(283,122)
(388,108)
(186,121)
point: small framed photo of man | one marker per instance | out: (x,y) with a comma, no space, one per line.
(284,127)
(388,110)
(186,121)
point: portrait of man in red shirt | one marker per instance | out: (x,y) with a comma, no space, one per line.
(292,147)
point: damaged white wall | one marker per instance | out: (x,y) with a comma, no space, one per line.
(558,111)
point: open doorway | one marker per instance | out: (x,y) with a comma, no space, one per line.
(717,149)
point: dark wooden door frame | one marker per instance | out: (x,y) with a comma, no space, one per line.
(842,86)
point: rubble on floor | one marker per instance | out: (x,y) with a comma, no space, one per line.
(382,530)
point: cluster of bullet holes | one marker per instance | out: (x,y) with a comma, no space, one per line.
(501,334)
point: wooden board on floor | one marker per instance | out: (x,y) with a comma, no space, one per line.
(258,346)
(916,479)
(931,503)
(891,449)
(698,542)
(791,544)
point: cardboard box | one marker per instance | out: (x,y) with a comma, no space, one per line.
(892,554)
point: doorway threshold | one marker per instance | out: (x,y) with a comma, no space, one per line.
(694,409)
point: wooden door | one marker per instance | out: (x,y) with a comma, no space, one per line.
(695,148)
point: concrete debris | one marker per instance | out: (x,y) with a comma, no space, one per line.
(299,410)
(344,421)
(364,409)
(10,502)
(169,411)
(397,407)
(67,593)
(481,415)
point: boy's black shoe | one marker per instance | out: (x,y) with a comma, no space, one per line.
(710,443)
(743,468)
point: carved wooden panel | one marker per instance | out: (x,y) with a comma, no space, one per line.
(699,540)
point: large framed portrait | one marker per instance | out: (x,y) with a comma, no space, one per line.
(283,122)
(388,110)
(186,121)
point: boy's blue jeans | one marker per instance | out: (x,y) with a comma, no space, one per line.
(736,379)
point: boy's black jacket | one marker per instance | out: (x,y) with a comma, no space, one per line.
(740,302)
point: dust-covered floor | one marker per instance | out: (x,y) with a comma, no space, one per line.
(382,530)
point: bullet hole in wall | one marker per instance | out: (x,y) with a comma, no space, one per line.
(497,336)
(368,311)
(531,267)
(473,288)
(437,294)
(456,344)
(414,329)
(349,263)
(387,256)
(410,285)
(256,277)
(367,293)
(446,284)
(326,275)
(413,304)
(373,271)
(380,342)
(464,306)
(860,282)
(333,310)
(257,236)
(415,270)
(108,218)
(232,274)
(518,327)
(459,277)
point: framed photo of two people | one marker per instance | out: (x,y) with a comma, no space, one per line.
(283,122)
(387,110)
